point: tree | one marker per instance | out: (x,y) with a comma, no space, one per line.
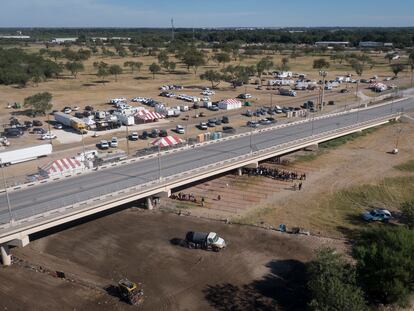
(385,264)
(321,63)
(133,65)
(264,64)
(55,54)
(397,68)
(389,57)
(115,70)
(102,73)
(74,68)
(163,57)
(171,66)
(407,213)
(236,75)
(222,58)
(40,102)
(193,58)
(358,67)
(213,76)
(154,68)
(332,283)
(411,65)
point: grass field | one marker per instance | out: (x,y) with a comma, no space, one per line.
(406,167)
(340,214)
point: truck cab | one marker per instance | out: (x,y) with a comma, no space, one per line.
(204,240)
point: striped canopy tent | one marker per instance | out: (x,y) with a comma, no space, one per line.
(167,141)
(146,115)
(61,167)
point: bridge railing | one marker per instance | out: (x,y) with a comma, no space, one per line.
(124,189)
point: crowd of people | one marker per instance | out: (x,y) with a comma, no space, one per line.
(184,197)
(274,173)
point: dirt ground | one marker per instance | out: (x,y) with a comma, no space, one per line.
(258,268)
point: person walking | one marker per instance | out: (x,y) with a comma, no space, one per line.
(202,201)
(218,197)
(300,186)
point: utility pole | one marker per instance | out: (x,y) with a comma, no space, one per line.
(323,74)
(172,29)
(127,137)
(159,160)
(7,192)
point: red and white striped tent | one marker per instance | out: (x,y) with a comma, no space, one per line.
(61,167)
(146,115)
(229,104)
(167,141)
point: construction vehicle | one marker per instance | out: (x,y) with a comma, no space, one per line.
(131,292)
(205,240)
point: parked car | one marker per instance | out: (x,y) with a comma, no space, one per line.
(214,108)
(104,144)
(28,124)
(144,135)
(13,132)
(163,133)
(67,110)
(58,126)
(37,123)
(76,108)
(225,119)
(245,96)
(377,215)
(180,129)
(211,122)
(218,122)
(264,122)
(252,123)
(229,130)
(344,91)
(48,136)
(38,130)
(133,136)
(114,142)
(154,133)
(89,108)
(202,126)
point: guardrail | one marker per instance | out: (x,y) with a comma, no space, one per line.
(171,181)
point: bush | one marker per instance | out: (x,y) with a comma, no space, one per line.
(332,283)
(385,264)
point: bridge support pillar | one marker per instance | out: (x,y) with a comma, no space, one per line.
(6,259)
(149,203)
(240,171)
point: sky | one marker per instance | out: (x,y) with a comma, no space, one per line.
(205,13)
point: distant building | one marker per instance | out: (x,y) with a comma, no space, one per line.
(63,40)
(370,44)
(19,37)
(332,43)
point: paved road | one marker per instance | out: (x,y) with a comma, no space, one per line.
(50,196)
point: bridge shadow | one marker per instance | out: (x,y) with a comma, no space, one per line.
(84,220)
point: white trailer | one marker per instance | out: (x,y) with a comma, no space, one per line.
(24,154)
(125,119)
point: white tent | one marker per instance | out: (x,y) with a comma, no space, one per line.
(229,104)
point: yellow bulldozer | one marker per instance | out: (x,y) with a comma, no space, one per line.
(131,292)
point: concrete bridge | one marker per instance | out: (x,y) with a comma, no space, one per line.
(37,207)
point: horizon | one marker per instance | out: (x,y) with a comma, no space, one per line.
(198,14)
